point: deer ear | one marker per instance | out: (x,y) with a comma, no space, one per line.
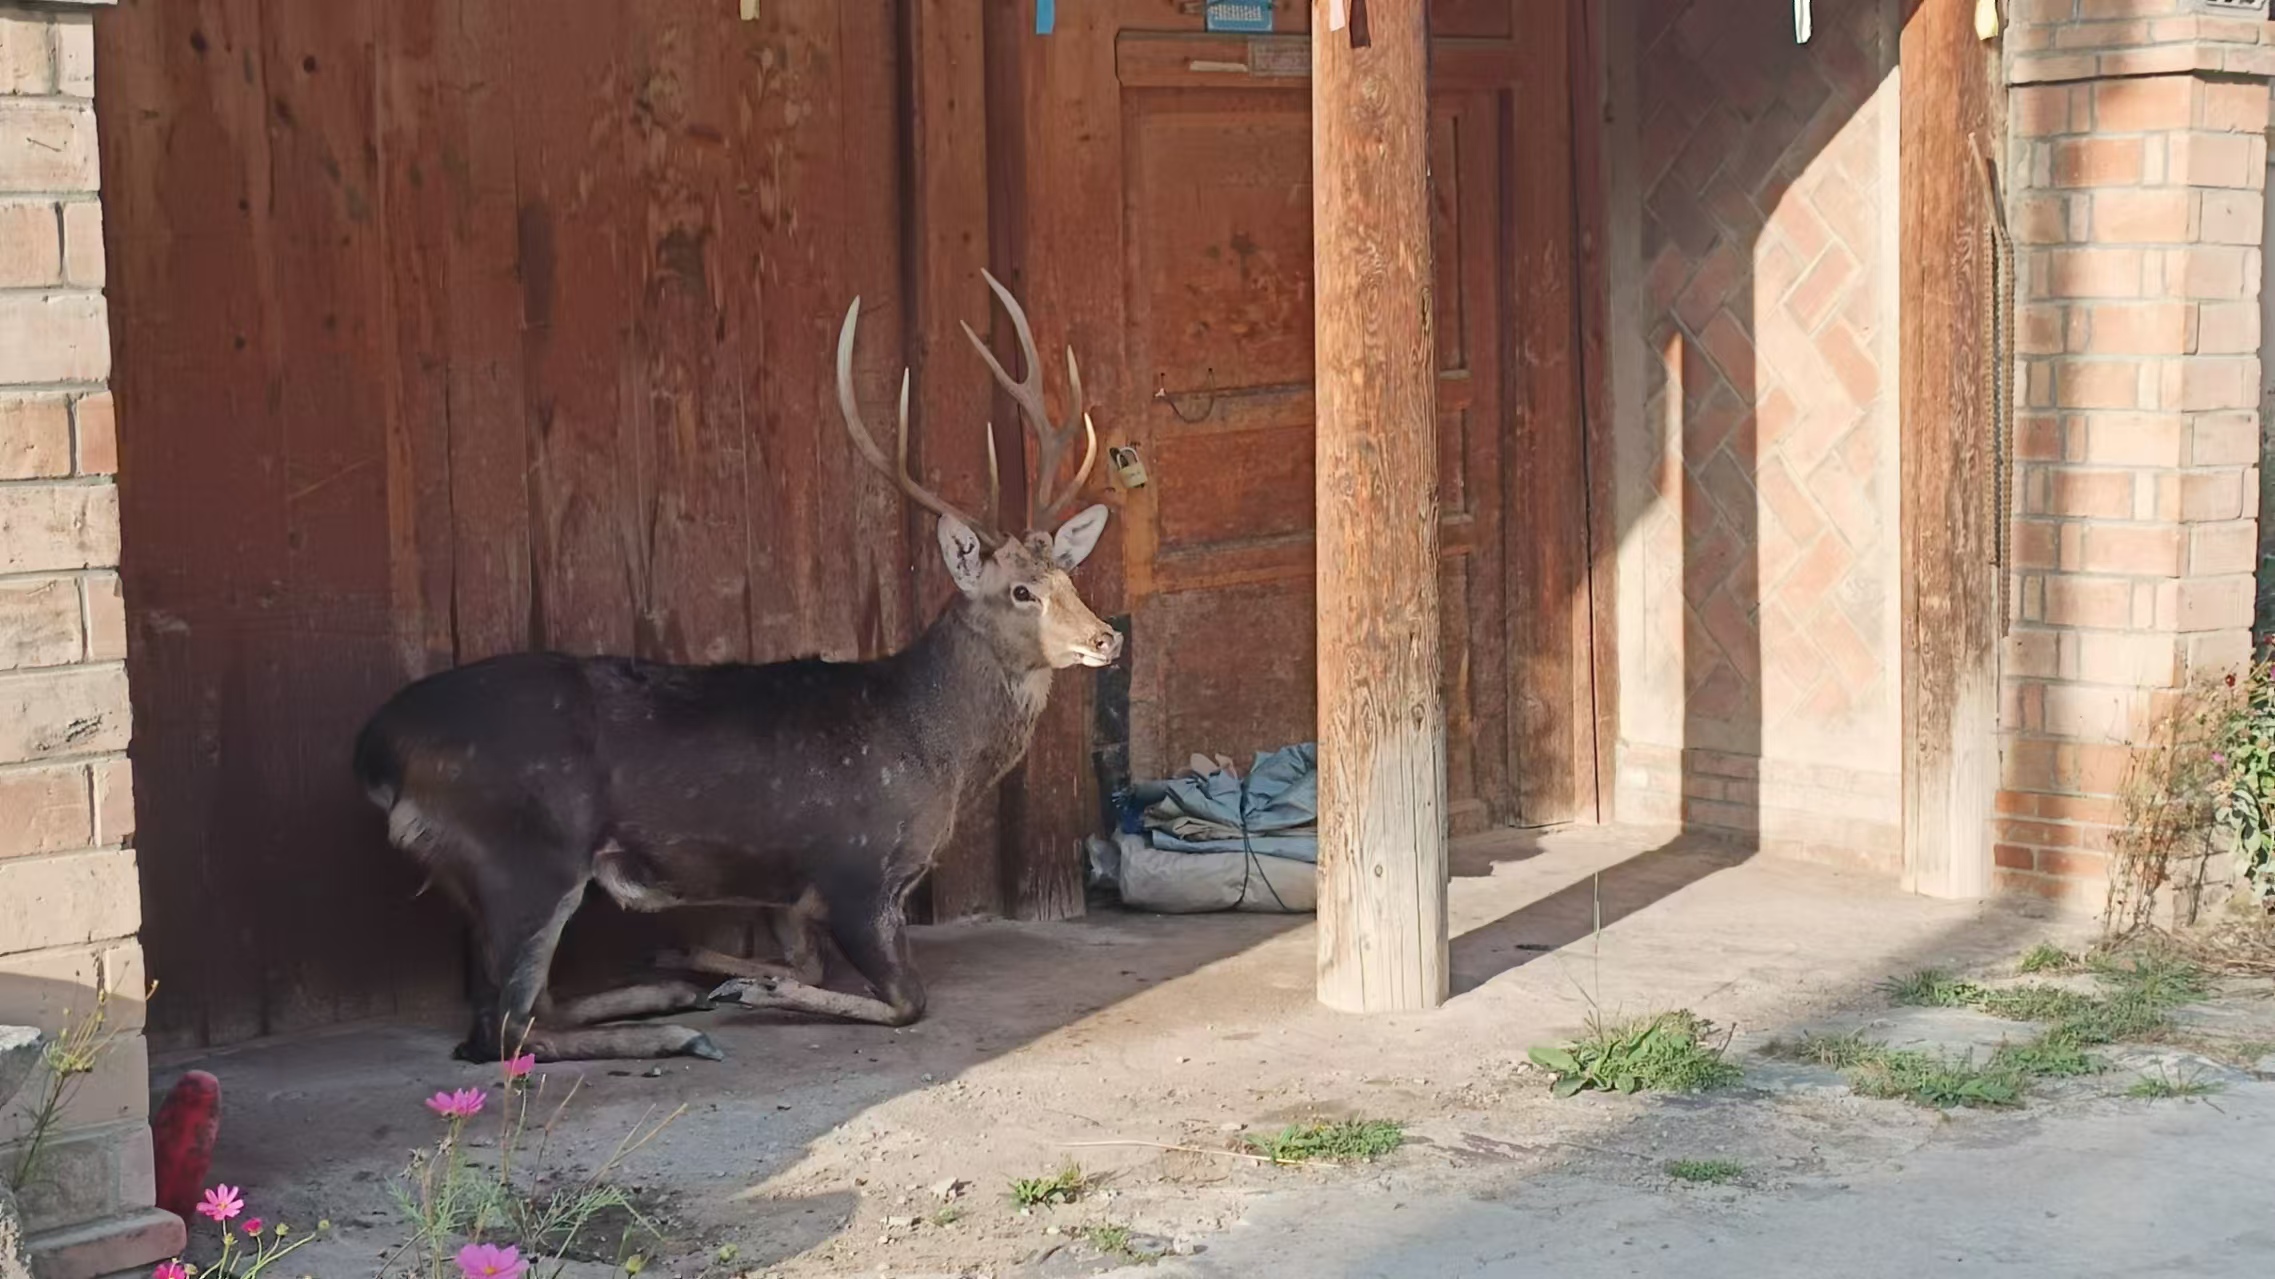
(1078,537)
(966,558)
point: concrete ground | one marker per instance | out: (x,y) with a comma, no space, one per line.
(820,1149)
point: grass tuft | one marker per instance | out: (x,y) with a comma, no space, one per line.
(1705,1172)
(2046,957)
(1342,1141)
(1926,1079)
(2166,1086)
(1064,1187)
(1664,1052)
(1113,1242)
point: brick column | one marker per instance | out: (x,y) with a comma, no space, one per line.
(69,901)
(2137,163)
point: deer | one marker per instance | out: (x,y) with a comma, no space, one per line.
(819,792)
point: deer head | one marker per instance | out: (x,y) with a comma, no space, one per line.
(1017,586)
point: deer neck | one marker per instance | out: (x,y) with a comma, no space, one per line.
(981,701)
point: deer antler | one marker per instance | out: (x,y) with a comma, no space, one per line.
(1043,502)
(866,444)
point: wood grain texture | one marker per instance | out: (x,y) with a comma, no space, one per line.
(954,399)
(1591,231)
(1950,587)
(1382,781)
(452,328)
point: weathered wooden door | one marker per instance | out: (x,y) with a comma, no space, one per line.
(1215,398)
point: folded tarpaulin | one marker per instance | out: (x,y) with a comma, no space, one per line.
(1273,811)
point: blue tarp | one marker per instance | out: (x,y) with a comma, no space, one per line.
(1274,810)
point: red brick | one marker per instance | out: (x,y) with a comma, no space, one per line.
(2161,215)
(2223,160)
(2149,550)
(2237,108)
(2013,856)
(2211,603)
(2228,547)
(39,623)
(2097,384)
(54,528)
(2209,382)
(1814,297)
(27,61)
(2089,494)
(96,420)
(59,337)
(31,250)
(2101,602)
(48,811)
(106,618)
(114,803)
(2040,110)
(2134,328)
(46,145)
(2230,217)
(35,437)
(2129,439)
(2143,106)
(2042,219)
(56,714)
(2097,162)
(1722,271)
(1851,361)
(2211,271)
(2072,864)
(83,243)
(2092,273)
(2223,439)
(2227,328)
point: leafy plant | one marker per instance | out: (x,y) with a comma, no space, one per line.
(2243,789)
(1663,1052)
(1344,1141)
(1113,1243)
(1927,1079)
(1064,1187)
(452,1201)
(1705,1172)
(67,1060)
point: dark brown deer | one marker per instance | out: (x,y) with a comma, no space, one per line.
(820,790)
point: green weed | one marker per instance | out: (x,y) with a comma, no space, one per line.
(1343,1141)
(1664,1052)
(1045,1192)
(1705,1172)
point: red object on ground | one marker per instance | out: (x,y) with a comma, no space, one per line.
(183,1133)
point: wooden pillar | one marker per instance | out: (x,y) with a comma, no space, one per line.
(1382,757)
(1950,575)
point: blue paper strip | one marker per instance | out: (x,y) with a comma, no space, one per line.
(1240,15)
(1046,16)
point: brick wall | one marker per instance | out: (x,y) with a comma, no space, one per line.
(69,903)
(2137,164)
(1757,449)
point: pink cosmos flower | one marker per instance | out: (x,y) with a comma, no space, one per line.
(222,1203)
(252,1225)
(488,1261)
(464,1103)
(170,1270)
(519,1067)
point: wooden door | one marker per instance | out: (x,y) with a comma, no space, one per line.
(1214,194)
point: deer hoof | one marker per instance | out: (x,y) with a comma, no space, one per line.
(701,1046)
(743,991)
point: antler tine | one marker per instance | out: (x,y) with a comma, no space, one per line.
(1051,443)
(866,444)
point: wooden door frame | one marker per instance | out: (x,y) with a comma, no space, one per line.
(968,181)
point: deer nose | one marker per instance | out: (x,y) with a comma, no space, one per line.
(1108,643)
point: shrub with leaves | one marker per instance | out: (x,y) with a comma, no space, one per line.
(1664,1052)
(2243,794)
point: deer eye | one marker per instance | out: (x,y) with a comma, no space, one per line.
(1022,594)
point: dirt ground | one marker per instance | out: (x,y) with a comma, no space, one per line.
(820,1149)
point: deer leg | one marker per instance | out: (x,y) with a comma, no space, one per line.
(797,931)
(712,963)
(519,941)
(875,942)
(647,999)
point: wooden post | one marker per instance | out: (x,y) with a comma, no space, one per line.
(1950,593)
(1382,755)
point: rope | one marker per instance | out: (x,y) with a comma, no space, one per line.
(1250,868)
(1998,375)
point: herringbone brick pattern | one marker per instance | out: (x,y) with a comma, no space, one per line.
(1769,591)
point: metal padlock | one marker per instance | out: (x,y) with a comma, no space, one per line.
(1128,465)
